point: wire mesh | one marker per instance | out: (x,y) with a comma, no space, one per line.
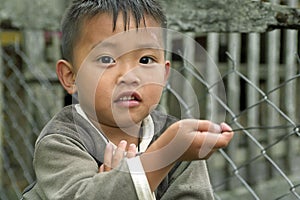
(263,160)
(23,114)
(278,167)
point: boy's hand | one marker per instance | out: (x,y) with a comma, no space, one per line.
(112,157)
(207,139)
(187,140)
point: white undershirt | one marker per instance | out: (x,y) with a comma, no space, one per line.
(134,164)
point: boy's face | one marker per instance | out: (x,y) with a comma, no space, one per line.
(119,75)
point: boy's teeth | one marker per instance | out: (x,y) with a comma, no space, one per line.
(126,98)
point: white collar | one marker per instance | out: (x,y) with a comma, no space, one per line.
(148,129)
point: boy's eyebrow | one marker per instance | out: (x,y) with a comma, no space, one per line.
(149,46)
(103,44)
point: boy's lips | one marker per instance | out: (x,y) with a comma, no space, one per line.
(128,99)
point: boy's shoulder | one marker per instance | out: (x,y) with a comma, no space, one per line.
(65,121)
(69,123)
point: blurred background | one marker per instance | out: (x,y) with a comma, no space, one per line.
(254,44)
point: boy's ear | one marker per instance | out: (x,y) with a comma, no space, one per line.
(167,70)
(66,75)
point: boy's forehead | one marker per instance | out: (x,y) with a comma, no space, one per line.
(129,41)
(97,33)
(137,38)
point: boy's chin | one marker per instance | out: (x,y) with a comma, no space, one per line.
(122,121)
(126,123)
(130,117)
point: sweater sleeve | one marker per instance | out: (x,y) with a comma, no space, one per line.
(65,170)
(189,181)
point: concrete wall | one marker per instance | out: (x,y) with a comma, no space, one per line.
(33,14)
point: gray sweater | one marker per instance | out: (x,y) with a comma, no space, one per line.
(65,164)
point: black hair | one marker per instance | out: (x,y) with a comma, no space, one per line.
(80,10)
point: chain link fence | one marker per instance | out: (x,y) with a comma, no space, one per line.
(30,96)
(262,106)
(261,75)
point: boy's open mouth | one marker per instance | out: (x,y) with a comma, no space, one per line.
(128,99)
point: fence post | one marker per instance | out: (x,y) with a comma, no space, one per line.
(272,81)
(233,79)
(213,50)
(213,111)
(189,57)
(48,97)
(252,94)
(233,92)
(33,50)
(290,92)
(273,55)
(1,114)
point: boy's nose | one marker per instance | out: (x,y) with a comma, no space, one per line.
(130,77)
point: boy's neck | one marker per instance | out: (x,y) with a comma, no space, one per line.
(116,134)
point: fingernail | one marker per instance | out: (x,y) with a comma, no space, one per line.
(109,145)
(225,127)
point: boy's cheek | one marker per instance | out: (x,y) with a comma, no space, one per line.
(154,74)
(87,81)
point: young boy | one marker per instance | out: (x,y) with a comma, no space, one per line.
(114,144)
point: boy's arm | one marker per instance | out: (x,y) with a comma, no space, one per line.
(185,140)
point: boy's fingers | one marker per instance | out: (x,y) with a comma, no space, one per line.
(205,125)
(108,154)
(225,127)
(200,125)
(131,151)
(208,142)
(101,168)
(119,154)
(216,141)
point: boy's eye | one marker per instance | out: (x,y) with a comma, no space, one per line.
(146,60)
(106,60)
